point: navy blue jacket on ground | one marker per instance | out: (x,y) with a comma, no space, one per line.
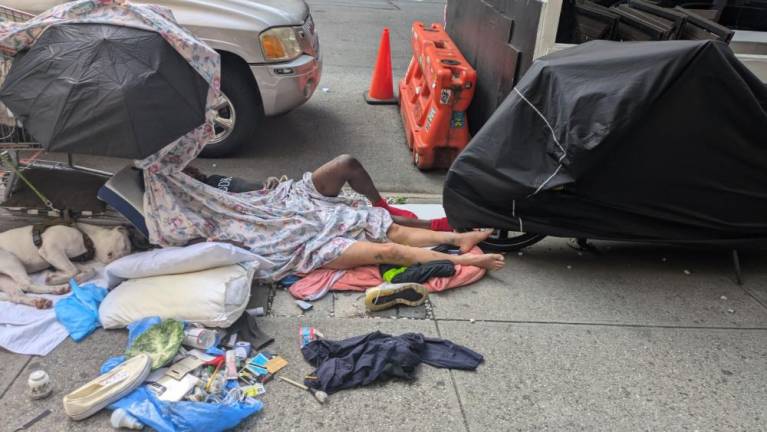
(361,360)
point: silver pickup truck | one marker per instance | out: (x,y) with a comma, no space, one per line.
(270,52)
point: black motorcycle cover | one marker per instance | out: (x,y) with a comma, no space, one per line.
(616,140)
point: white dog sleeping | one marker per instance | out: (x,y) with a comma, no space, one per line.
(35,248)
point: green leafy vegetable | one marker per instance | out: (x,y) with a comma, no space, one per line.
(161,342)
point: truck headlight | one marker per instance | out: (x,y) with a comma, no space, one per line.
(280,44)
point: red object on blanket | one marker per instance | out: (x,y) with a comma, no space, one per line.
(317,283)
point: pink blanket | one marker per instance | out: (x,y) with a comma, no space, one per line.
(316,284)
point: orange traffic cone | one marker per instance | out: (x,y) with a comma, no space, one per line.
(381,89)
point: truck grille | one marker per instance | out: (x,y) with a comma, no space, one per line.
(309,26)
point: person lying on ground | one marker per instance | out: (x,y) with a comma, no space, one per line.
(344,169)
(320,229)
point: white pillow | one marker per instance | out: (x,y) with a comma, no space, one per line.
(213,298)
(177,260)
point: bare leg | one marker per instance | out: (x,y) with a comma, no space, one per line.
(368,253)
(331,177)
(424,237)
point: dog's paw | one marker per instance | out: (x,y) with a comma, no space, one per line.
(42,303)
(55,279)
(63,289)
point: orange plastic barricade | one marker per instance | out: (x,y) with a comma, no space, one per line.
(434,96)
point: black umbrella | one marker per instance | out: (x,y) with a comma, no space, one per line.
(104,90)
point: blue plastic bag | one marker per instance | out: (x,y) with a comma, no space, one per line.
(79,313)
(184,416)
(135,329)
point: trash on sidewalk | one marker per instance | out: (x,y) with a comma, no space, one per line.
(242,349)
(120,419)
(178,370)
(319,395)
(362,360)
(187,416)
(171,389)
(309,334)
(275,364)
(45,413)
(256,312)
(199,337)
(107,388)
(198,392)
(161,342)
(304,306)
(39,384)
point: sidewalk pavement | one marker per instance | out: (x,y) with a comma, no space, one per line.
(624,340)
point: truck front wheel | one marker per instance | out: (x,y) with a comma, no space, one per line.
(238,112)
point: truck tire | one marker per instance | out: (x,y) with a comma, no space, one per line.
(239,112)
(501,241)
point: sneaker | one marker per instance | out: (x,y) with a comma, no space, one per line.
(107,388)
(386,295)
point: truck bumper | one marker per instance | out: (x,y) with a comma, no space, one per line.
(285,86)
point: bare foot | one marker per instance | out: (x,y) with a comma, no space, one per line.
(42,303)
(466,241)
(485,261)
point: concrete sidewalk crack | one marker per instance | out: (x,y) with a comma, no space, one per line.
(21,371)
(455,387)
(754,296)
